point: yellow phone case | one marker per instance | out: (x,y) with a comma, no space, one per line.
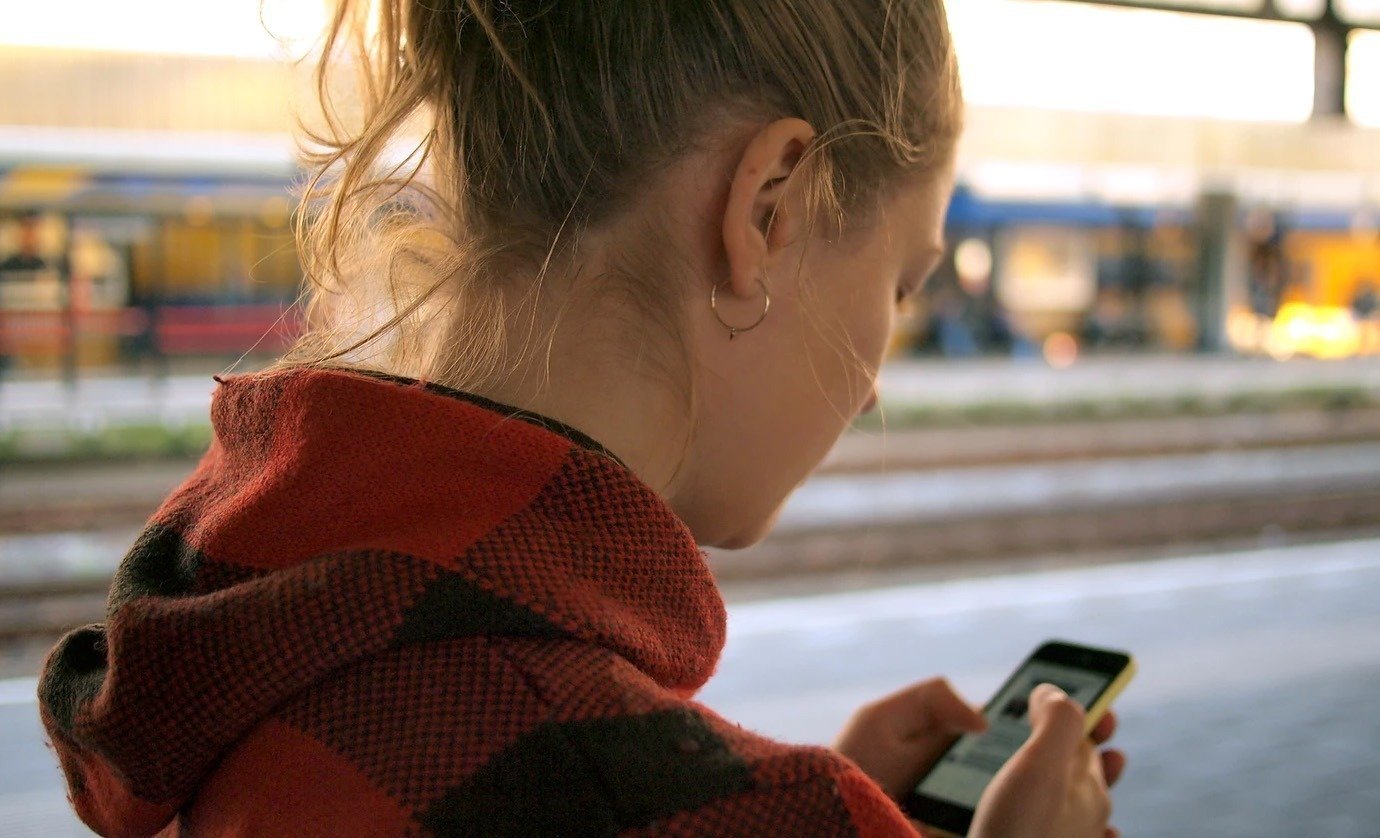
(1094,713)
(1100,707)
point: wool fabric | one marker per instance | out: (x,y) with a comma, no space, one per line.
(383,607)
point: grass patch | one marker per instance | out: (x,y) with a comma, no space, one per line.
(153,442)
(916,415)
(113,443)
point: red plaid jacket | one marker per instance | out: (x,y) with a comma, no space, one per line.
(380,607)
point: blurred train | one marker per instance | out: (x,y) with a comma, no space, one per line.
(1058,277)
(98,267)
(102,264)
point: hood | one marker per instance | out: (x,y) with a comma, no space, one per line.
(336,515)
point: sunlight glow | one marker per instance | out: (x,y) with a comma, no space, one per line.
(1363,73)
(1068,56)
(1014,53)
(209,28)
(1359,11)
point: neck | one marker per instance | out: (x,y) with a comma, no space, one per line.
(592,378)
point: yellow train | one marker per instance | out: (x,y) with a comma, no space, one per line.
(98,266)
(1062,278)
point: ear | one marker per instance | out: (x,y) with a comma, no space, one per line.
(757,192)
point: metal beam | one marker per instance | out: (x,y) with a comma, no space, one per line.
(1331,35)
(1267,11)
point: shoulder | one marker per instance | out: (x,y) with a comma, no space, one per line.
(617,754)
(662,765)
(788,790)
(527,737)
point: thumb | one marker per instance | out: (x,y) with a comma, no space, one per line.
(1056,722)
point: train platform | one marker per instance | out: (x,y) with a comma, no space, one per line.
(833,504)
(96,401)
(1252,713)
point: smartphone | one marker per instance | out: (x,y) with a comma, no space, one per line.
(944,798)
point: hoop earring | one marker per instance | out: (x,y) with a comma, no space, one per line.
(734,330)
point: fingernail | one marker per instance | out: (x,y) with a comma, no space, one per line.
(1052,691)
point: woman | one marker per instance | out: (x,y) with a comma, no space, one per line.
(440,571)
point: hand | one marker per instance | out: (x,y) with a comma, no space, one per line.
(1056,784)
(897,739)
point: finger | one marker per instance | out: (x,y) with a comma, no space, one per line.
(1113,832)
(1105,728)
(934,704)
(946,708)
(1056,722)
(1093,759)
(1113,765)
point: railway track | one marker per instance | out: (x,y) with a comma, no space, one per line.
(1072,535)
(918,499)
(33,616)
(37,499)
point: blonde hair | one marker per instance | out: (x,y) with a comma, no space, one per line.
(540,119)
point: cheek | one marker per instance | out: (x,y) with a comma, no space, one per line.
(868,317)
(874,328)
(845,353)
(781,418)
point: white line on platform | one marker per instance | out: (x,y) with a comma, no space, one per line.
(18,691)
(1027,589)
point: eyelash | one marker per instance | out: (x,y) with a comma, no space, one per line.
(903,294)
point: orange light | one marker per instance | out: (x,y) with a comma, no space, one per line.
(1317,331)
(1061,350)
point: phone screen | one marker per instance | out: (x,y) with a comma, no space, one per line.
(964,772)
